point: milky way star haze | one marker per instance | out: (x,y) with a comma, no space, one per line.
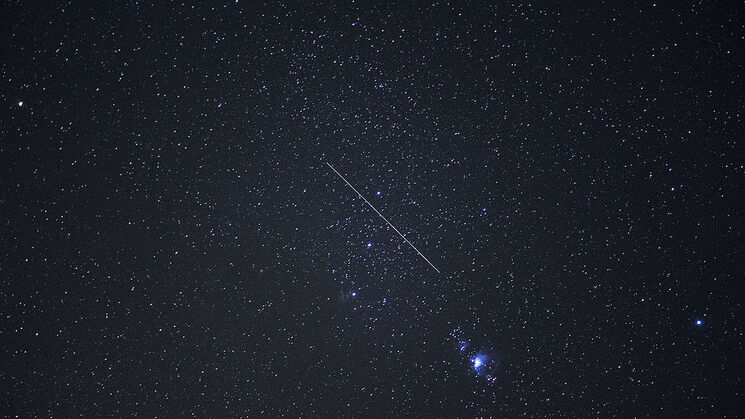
(222,209)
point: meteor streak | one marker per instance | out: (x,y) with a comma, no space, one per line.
(385,219)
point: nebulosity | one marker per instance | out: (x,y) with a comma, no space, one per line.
(482,361)
(478,362)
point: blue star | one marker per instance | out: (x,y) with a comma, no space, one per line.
(377,193)
(369,244)
(699,322)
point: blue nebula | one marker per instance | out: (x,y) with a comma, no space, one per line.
(478,362)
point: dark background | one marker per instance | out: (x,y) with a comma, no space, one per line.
(173,242)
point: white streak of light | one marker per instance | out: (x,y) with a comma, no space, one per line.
(381,216)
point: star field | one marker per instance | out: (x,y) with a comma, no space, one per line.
(175,244)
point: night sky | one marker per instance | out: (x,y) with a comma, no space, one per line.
(175,243)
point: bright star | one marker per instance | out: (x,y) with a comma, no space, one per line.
(354,294)
(699,322)
(377,193)
(478,361)
(369,244)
